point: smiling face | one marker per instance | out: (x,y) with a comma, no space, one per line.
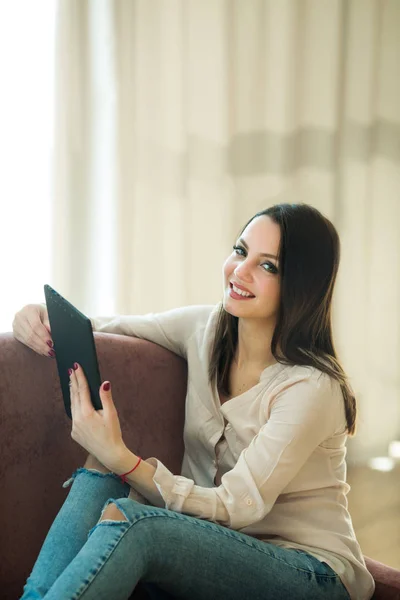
(250,268)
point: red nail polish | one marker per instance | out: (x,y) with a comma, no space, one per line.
(52,353)
(69,371)
(75,366)
(50,343)
(106,386)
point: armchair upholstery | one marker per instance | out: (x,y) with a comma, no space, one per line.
(38,453)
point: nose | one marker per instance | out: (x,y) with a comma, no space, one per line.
(242,272)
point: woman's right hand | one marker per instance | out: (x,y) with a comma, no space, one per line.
(31,327)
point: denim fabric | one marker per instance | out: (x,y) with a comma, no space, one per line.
(172,554)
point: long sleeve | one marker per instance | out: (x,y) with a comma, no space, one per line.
(302,415)
(170,329)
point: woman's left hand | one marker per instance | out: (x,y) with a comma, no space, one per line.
(98,431)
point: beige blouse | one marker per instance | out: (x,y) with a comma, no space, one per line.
(269,462)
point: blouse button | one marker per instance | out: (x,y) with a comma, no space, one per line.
(249,501)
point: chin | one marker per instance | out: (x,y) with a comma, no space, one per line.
(239,309)
(235,307)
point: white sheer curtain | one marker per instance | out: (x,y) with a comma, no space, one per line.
(26,136)
(176,121)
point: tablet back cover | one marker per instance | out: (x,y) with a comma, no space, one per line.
(73,339)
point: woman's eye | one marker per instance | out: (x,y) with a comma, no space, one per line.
(272,267)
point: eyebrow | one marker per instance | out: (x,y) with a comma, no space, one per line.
(261,253)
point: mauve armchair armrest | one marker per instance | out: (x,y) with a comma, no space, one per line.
(37,451)
(387,580)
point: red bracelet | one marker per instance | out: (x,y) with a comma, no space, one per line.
(123,477)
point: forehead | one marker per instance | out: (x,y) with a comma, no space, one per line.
(263,235)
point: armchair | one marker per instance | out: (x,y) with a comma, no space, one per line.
(38,453)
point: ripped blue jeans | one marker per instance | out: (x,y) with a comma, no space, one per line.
(173,555)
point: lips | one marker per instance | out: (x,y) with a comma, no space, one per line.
(240,287)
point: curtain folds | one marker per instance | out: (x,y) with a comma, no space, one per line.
(176,121)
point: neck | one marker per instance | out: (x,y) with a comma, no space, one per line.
(254,344)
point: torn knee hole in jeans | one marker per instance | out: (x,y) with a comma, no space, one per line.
(112,513)
(90,471)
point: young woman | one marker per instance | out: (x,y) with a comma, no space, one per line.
(259,510)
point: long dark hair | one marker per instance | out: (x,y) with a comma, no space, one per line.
(309,257)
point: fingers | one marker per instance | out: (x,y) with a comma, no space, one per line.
(39,336)
(74,395)
(47,326)
(41,327)
(80,392)
(35,338)
(72,398)
(45,317)
(29,329)
(107,399)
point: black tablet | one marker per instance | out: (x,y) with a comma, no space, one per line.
(73,339)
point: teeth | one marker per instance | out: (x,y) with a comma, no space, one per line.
(240,292)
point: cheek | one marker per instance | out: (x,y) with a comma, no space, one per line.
(228,267)
(271,288)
